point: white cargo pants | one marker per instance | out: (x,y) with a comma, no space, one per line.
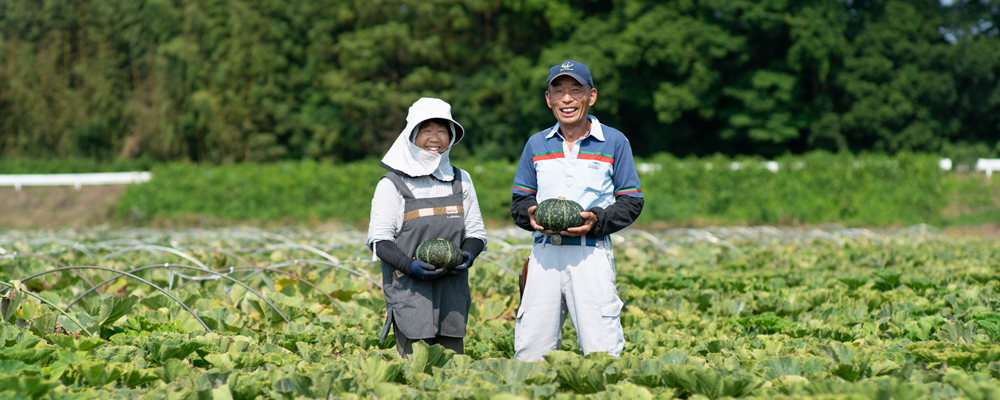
(576,279)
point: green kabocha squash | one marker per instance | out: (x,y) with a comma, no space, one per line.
(559,214)
(439,253)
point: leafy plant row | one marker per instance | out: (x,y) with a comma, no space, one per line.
(723,313)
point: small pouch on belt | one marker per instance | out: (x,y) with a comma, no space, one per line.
(523,278)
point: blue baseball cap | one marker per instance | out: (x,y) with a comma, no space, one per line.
(577,70)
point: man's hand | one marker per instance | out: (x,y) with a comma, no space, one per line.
(534,223)
(589,222)
(422,270)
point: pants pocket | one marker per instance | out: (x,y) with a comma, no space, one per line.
(614,336)
(612,309)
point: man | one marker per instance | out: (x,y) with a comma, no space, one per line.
(573,271)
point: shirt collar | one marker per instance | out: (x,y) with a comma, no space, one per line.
(595,129)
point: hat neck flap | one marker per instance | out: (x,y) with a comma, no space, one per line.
(406,158)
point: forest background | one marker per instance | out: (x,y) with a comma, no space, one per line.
(261,80)
(209,83)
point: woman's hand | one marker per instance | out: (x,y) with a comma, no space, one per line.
(425,271)
(466,263)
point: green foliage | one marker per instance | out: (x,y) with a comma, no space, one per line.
(710,382)
(113,308)
(872,190)
(10,302)
(299,191)
(783,314)
(262,80)
(581,374)
(814,188)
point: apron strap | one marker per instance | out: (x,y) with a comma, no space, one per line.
(400,186)
(456,184)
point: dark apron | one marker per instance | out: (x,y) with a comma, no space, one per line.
(423,309)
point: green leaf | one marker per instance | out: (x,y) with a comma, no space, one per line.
(64,359)
(33,386)
(220,361)
(222,393)
(888,280)
(25,351)
(159,352)
(98,373)
(854,282)
(137,377)
(777,367)
(373,370)
(331,380)
(116,353)
(296,384)
(919,284)
(583,375)
(247,359)
(710,382)
(645,372)
(630,391)
(767,323)
(248,386)
(113,308)
(957,332)
(514,372)
(216,320)
(172,370)
(14,366)
(12,300)
(82,343)
(8,334)
(157,302)
(504,344)
(424,358)
(921,329)
(44,323)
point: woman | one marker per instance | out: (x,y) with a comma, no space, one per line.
(423,197)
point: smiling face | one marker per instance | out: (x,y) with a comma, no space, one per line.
(569,100)
(433,135)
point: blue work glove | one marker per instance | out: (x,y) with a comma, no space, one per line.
(465,263)
(425,271)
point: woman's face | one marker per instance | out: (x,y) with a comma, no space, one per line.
(433,137)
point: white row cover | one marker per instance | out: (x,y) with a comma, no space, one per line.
(988,164)
(983,164)
(76,180)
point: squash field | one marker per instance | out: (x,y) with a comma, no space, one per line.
(294,313)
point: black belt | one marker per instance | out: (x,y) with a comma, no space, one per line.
(568,241)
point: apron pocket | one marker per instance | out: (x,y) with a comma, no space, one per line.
(460,283)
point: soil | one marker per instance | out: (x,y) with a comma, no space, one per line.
(52,207)
(984,230)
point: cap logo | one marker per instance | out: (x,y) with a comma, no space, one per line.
(566,65)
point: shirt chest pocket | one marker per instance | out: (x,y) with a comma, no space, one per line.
(591,175)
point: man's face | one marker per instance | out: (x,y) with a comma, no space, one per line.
(569,99)
(433,137)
